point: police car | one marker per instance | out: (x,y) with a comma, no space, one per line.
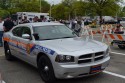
(55,50)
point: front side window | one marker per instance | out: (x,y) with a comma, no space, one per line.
(17,31)
(53,32)
(26,30)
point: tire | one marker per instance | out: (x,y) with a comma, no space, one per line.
(121,46)
(8,55)
(46,70)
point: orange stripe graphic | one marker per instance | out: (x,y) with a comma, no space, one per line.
(120,37)
(6,39)
(111,36)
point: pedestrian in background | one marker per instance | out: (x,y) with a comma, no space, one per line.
(36,19)
(20,20)
(1,31)
(8,24)
(77,27)
(25,20)
(73,24)
(30,20)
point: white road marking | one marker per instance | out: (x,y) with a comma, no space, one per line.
(114,74)
(117,53)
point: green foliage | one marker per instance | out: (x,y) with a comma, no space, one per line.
(66,10)
(121,13)
(58,11)
(79,8)
(13,6)
(4,13)
(28,6)
(45,6)
(4,4)
(105,7)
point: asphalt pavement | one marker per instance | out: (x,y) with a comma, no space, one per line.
(20,72)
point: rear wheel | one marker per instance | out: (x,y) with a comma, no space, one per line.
(8,55)
(46,70)
(121,46)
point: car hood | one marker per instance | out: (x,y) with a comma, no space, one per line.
(71,44)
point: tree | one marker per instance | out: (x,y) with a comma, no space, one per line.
(13,6)
(122,12)
(79,8)
(4,13)
(69,4)
(4,4)
(102,7)
(45,6)
(28,6)
(58,11)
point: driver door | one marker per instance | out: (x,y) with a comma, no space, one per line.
(24,44)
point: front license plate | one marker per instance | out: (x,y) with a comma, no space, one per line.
(95,69)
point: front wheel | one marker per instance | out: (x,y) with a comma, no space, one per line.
(46,70)
(8,55)
(121,46)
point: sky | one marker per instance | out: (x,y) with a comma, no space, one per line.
(54,1)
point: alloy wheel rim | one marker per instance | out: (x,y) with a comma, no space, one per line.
(44,69)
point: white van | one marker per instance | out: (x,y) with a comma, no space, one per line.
(31,15)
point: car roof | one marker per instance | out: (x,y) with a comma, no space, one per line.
(40,24)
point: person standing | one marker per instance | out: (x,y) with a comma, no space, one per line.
(8,24)
(1,31)
(25,20)
(77,28)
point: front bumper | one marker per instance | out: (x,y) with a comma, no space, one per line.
(78,70)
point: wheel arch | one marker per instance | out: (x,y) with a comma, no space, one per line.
(39,55)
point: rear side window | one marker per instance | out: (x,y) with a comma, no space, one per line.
(17,31)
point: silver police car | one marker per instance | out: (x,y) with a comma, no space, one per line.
(55,50)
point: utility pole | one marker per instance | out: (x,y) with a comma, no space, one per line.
(51,8)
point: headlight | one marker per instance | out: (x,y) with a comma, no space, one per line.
(64,58)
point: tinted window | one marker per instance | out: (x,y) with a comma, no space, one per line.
(26,30)
(53,32)
(17,31)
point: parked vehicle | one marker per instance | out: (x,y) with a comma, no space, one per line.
(107,19)
(55,50)
(30,15)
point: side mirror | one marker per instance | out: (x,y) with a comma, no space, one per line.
(26,36)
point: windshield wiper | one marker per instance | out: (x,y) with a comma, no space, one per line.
(68,37)
(57,38)
(50,39)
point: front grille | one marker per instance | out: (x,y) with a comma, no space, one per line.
(99,58)
(84,61)
(99,53)
(87,58)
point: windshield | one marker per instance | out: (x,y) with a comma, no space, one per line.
(54,32)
